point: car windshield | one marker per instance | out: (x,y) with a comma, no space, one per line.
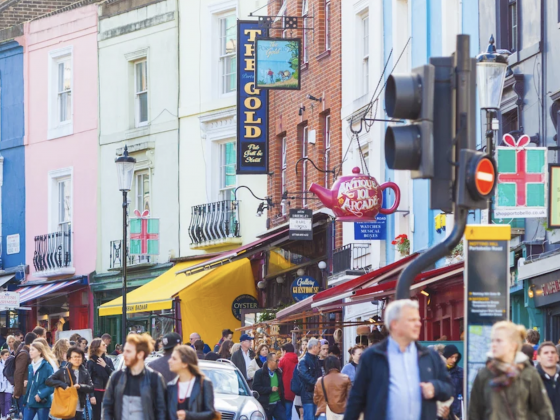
(226,381)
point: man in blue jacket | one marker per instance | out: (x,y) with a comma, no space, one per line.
(398,379)
(309,371)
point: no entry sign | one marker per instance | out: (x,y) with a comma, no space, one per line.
(485,176)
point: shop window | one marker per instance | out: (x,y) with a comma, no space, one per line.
(284,170)
(142,180)
(510,122)
(228,57)
(304,152)
(327,137)
(228,180)
(141,92)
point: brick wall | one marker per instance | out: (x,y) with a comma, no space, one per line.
(321,77)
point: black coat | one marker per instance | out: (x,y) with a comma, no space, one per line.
(161,365)
(261,384)
(370,392)
(309,371)
(201,401)
(552,385)
(99,374)
(152,390)
(60,379)
(239,361)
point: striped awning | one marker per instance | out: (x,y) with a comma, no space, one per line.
(33,292)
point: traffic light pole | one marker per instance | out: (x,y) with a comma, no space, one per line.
(490,151)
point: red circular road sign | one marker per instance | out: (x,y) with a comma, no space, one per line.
(485,176)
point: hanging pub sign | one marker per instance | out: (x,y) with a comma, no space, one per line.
(252,105)
(277,63)
(357,197)
(243,302)
(303,287)
(521,185)
(301,225)
(554,196)
(144,234)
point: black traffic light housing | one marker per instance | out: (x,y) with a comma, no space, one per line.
(468,195)
(411,97)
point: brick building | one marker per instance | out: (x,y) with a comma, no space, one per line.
(299,126)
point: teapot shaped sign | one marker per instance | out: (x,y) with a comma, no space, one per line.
(357,197)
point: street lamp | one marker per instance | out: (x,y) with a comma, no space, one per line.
(491,68)
(125,172)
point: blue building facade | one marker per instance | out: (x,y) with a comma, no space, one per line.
(12,131)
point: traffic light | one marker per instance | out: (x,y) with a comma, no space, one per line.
(411,97)
(477,179)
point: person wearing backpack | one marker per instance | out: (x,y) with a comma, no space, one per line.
(6,388)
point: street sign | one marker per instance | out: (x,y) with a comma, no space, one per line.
(485,176)
(301,224)
(522,183)
(486,291)
(373,231)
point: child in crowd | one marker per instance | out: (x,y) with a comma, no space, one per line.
(6,388)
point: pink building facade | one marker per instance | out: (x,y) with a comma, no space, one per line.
(61,153)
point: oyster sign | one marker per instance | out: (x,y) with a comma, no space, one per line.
(303,287)
(357,197)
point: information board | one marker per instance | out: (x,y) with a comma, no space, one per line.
(301,224)
(373,231)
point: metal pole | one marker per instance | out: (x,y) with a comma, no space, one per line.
(490,150)
(125,256)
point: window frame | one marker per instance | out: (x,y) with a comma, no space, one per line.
(365,53)
(224,189)
(327,154)
(61,91)
(57,128)
(305,37)
(327,25)
(138,93)
(223,56)
(283,170)
(61,202)
(55,177)
(304,154)
(513,25)
(140,198)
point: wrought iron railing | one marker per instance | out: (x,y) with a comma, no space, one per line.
(214,222)
(351,257)
(116,256)
(53,251)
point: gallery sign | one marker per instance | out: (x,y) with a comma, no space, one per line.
(357,197)
(303,287)
(277,63)
(522,185)
(252,105)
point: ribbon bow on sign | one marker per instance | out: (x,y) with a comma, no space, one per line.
(145,213)
(523,141)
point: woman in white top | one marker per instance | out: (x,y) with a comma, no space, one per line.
(6,388)
(191,395)
(258,361)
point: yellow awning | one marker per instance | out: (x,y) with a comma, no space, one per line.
(207,305)
(156,295)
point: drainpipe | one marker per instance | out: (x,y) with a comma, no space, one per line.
(1,218)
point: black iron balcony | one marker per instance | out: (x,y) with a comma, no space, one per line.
(351,257)
(215,225)
(53,253)
(116,256)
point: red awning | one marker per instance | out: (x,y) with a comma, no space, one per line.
(228,256)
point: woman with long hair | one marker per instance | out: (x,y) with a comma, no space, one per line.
(49,355)
(332,390)
(76,375)
(258,361)
(303,348)
(38,396)
(60,349)
(99,367)
(350,369)
(189,382)
(225,349)
(509,387)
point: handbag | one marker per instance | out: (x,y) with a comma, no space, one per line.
(331,415)
(65,401)
(217,415)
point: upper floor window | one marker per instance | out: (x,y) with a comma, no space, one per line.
(284,160)
(507,23)
(60,104)
(327,148)
(228,58)
(305,14)
(143,191)
(512,24)
(141,92)
(304,152)
(228,179)
(64,199)
(365,54)
(327,25)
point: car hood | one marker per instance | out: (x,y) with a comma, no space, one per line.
(236,403)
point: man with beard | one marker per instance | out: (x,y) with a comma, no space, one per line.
(135,392)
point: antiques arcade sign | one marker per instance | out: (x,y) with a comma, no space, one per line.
(252,105)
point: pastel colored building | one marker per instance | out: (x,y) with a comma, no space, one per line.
(61,171)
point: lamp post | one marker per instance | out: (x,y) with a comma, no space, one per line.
(491,68)
(125,172)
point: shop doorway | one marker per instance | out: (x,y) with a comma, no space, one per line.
(553,333)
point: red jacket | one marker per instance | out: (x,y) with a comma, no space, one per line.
(288,364)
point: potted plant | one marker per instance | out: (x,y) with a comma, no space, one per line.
(403,244)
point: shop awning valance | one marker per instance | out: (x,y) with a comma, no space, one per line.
(156,295)
(33,292)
